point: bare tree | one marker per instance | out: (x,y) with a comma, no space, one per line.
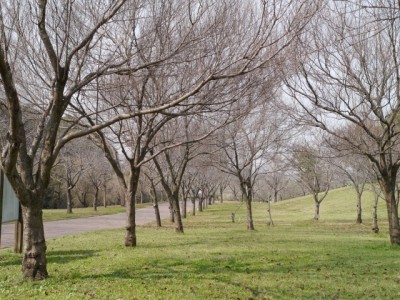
(351,78)
(247,146)
(186,188)
(74,167)
(154,181)
(355,168)
(175,161)
(313,174)
(276,179)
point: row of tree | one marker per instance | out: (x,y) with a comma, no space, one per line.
(179,88)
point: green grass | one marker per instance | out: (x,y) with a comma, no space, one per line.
(61,214)
(217,259)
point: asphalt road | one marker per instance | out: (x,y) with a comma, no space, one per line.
(55,229)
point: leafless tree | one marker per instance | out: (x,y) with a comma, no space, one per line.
(247,146)
(350,78)
(150,174)
(73,168)
(175,160)
(355,169)
(187,187)
(313,173)
(276,178)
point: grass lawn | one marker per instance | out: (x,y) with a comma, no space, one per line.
(216,259)
(60,214)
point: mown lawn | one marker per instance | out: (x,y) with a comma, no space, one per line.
(216,259)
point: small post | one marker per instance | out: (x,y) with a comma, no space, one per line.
(19,232)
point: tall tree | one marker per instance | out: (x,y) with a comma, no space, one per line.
(351,77)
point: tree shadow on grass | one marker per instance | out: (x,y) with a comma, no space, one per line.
(66,256)
(219,274)
(60,257)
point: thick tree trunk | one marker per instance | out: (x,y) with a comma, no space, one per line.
(388,186)
(359,209)
(69,200)
(34,263)
(177,213)
(130,235)
(221,195)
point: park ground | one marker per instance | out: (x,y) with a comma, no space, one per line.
(298,258)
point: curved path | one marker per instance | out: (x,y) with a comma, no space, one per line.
(59,228)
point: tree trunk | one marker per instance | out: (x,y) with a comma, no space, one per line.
(34,263)
(221,195)
(389,190)
(270,222)
(69,200)
(275,196)
(375,227)
(317,204)
(193,206)
(177,212)
(171,211)
(96,195)
(82,199)
(184,207)
(247,196)
(105,196)
(157,212)
(359,208)
(200,204)
(130,235)
(250,224)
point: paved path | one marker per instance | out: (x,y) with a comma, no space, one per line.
(55,229)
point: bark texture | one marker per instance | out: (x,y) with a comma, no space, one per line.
(34,263)
(388,186)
